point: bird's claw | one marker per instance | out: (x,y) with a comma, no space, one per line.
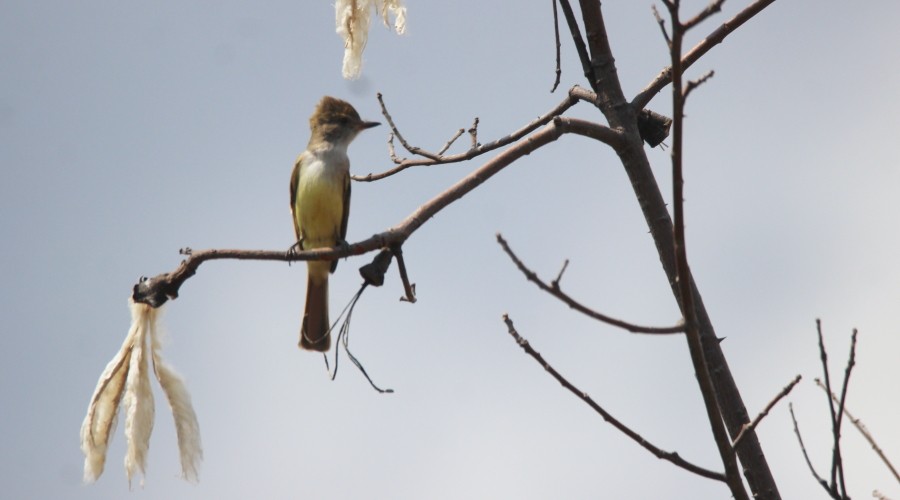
(292,251)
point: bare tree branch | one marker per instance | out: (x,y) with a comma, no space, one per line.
(391,151)
(851,361)
(412,149)
(659,453)
(623,116)
(409,288)
(711,40)
(682,271)
(693,84)
(155,291)
(713,7)
(836,464)
(832,494)
(662,25)
(558,47)
(473,133)
(575,94)
(579,41)
(865,432)
(450,142)
(752,425)
(555,291)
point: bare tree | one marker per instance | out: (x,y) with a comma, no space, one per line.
(628,126)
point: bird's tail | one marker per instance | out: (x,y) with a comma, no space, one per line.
(314,334)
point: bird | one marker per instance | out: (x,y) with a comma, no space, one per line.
(320,206)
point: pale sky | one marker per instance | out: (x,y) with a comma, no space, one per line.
(131,129)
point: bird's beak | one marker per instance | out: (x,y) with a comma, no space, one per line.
(365,125)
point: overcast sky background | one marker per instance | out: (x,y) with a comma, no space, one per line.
(131,129)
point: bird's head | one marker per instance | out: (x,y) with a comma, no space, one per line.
(336,121)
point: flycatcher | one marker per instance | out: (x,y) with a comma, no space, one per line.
(320,204)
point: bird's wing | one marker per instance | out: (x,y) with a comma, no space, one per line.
(295,178)
(345,216)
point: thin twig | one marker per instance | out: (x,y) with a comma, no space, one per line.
(575,94)
(580,47)
(692,84)
(835,430)
(662,25)
(689,58)
(558,47)
(659,453)
(451,141)
(713,7)
(408,288)
(752,425)
(412,149)
(812,469)
(865,432)
(559,294)
(851,361)
(392,152)
(473,132)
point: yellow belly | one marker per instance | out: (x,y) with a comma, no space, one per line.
(319,207)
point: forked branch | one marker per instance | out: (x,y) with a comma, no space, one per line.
(554,290)
(690,57)
(575,94)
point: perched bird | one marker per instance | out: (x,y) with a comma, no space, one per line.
(320,204)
